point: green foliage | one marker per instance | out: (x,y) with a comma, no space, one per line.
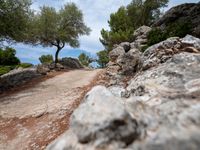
(14,19)
(155,36)
(176,29)
(25,65)
(57,28)
(84,59)
(4,69)
(123,23)
(103,58)
(46,59)
(8,58)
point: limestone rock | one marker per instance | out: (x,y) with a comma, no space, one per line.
(141,37)
(17,77)
(130,62)
(165,102)
(161,52)
(43,69)
(115,53)
(70,63)
(105,119)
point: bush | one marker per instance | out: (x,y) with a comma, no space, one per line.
(25,65)
(4,69)
(46,59)
(177,29)
(103,58)
(155,36)
(8,58)
(84,59)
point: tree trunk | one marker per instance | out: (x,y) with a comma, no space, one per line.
(56,56)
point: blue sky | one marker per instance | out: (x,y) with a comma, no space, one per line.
(96,14)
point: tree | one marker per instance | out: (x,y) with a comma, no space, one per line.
(58,28)
(46,59)
(84,59)
(120,29)
(8,58)
(123,23)
(103,58)
(14,19)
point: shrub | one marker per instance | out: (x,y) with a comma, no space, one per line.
(46,59)
(156,35)
(4,69)
(8,58)
(103,58)
(84,59)
(176,29)
(25,65)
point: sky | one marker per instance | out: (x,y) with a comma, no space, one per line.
(96,15)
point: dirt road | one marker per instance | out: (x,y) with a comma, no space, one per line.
(31,118)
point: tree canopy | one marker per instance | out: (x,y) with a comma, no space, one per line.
(14,19)
(123,23)
(85,59)
(103,58)
(58,28)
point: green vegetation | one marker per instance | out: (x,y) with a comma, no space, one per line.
(57,28)
(177,29)
(46,59)
(8,58)
(123,23)
(102,58)
(14,20)
(84,59)
(25,65)
(5,69)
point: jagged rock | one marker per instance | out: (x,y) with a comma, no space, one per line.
(115,53)
(130,62)
(191,41)
(100,120)
(112,125)
(161,52)
(188,12)
(17,77)
(70,63)
(165,102)
(141,37)
(126,46)
(43,69)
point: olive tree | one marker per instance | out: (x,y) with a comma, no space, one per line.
(58,28)
(14,19)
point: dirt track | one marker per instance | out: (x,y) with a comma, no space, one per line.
(31,118)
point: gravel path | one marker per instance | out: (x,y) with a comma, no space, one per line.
(31,118)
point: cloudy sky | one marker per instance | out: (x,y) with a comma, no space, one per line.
(96,14)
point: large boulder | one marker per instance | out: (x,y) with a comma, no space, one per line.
(165,100)
(100,120)
(17,77)
(140,36)
(130,62)
(188,12)
(70,63)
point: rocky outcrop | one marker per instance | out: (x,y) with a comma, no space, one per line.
(70,63)
(161,52)
(188,12)
(141,37)
(158,110)
(100,119)
(17,77)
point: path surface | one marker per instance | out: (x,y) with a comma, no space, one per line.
(34,114)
